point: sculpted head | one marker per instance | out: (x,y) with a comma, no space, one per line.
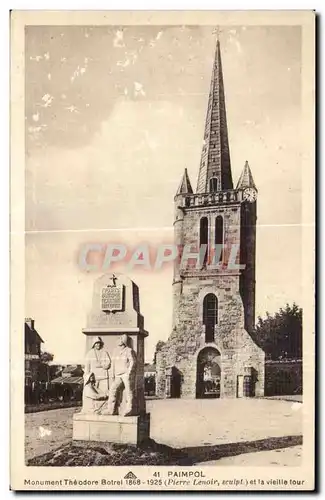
(89,379)
(123,340)
(98,343)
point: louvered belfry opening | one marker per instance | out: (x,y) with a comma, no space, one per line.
(218,238)
(214,185)
(210,316)
(204,237)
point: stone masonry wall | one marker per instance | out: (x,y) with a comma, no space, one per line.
(239,353)
(235,345)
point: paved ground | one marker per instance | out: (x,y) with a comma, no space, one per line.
(46,430)
(225,432)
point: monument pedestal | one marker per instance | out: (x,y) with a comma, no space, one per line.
(111,428)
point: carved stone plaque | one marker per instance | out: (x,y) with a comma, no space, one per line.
(112,298)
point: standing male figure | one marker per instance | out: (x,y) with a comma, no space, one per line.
(98,362)
(123,377)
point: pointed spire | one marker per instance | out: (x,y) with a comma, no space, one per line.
(185,185)
(215,157)
(246,178)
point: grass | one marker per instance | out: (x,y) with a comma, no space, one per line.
(89,453)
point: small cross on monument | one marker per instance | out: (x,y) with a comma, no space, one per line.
(114,279)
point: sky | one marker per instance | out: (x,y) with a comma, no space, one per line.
(113,116)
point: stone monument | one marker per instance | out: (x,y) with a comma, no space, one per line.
(114,407)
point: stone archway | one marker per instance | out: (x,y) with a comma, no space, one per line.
(208,373)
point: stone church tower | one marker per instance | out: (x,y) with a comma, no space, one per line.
(210,352)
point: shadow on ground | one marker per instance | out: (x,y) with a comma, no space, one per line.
(83,454)
(216,452)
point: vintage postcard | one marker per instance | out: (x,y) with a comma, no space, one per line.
(162,250)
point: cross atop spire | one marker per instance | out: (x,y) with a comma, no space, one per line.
(216,31)
(215,157)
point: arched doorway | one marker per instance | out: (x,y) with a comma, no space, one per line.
(208,374)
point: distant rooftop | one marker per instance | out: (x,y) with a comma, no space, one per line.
(30,332)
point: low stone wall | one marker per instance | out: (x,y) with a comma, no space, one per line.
(51,406)
(283,377)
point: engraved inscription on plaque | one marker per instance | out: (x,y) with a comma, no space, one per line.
(112,298)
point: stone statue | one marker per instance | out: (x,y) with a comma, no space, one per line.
(123,378)
(93,399)
(98,362)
